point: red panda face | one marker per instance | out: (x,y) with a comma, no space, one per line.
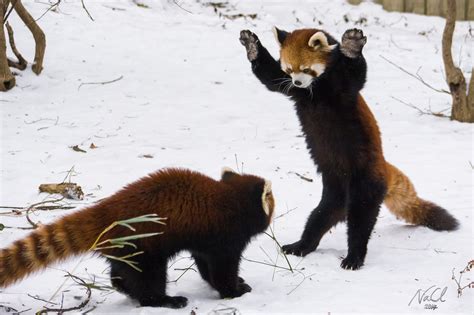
(304,54)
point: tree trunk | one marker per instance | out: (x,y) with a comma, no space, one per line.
(7,80)
(461,110)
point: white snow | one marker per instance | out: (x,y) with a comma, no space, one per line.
(189,98)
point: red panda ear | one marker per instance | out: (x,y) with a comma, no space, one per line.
(318,40)
(280,35)
(267,198)
(228,173)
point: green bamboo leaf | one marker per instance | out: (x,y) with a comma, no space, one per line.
(126,225)
(132,237)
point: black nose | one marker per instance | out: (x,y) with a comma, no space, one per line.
(297,82)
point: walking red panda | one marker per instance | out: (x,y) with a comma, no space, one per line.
(324,78)
(214,220)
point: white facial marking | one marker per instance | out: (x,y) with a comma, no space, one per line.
(267,188)
(301,80)
(318,68)
(285,66)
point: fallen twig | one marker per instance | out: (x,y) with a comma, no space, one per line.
(416,76)
(52,7)
(303,177)
(87,11)
(30,208)
(273,237)
(283,214)
(181,7)
(420,111)
(77,149)
(185,270)
(100,83)
(86,301)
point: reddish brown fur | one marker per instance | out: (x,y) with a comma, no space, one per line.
(296,52)
(401,198)
(195,206)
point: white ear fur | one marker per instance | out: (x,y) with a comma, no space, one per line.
(267,188)
(275,33)
(318,40)
(226,169)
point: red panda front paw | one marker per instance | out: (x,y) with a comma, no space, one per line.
(243,288)
(238,291)
(250,41)
(300,248)
(352,262)
(352,42)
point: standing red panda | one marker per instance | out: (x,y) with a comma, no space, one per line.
(323,78)
(214,220)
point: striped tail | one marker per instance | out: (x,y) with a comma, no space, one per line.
(403,201)
(69,236)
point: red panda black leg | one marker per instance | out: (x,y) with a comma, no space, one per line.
(224,277)
(148,286)
(329,212)
(202,266)
(365,198)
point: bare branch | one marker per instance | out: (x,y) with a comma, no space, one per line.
(421,111)
(416,76)
(22,63)
(87,11)
(100,83)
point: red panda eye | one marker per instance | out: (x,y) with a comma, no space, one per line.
(307,70)
(289,71)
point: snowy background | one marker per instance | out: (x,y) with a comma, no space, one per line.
(187,97)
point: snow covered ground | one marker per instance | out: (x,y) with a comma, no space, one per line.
(187,97)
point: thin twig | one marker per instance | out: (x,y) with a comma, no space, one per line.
(273,237)
(185,270)
(62,310)
(87,11)
(32,207)
(13,3)
(303,177)
(420,111)
(100,83)
(176,2)
(416,76)
(301,282)
(283,214)
(266,264)
(17,227)
(460,288)
(51,7)
(396,45)
(40,299)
